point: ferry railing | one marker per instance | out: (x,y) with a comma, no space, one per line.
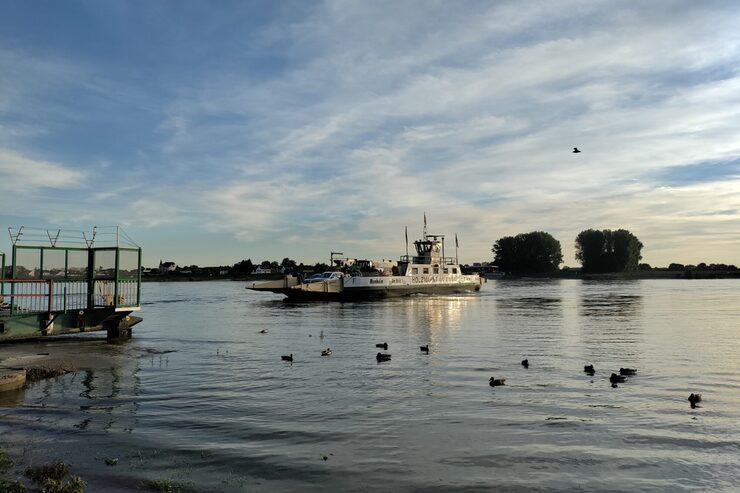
(28,296)
(413,259)
(69,295)
(25,296)
(121,293)
(2,275)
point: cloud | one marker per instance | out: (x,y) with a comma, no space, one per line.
(405,130)
(148,213)
(19,173)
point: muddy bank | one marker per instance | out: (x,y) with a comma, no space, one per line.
(50,359)
(43,359)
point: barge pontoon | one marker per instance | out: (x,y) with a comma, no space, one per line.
(65,282)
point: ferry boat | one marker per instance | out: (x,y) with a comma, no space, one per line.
(429,271)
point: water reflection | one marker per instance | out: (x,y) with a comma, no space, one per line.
(611,305)
(433,315)
(532,306)
(611,319)
(529,298)
(529,317)
(12,398)
(102,397)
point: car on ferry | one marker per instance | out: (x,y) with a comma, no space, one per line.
(323,276)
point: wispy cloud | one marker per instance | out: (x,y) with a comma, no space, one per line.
(19,174)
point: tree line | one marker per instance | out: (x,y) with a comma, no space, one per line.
(241,268)
(287,265)
(598,251)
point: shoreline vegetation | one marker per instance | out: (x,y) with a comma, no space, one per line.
(603,255)
(566,273)
(633,275)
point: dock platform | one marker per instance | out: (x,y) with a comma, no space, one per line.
(61,282)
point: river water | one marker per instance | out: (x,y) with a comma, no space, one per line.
(201,397)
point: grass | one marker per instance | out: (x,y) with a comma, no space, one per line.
(12,486)
(7,486)
(5,462)
(53,470)
(164,486)
(75,484)
(51,478)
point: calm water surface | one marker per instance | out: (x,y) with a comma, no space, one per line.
(222,412)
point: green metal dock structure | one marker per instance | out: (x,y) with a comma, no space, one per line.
(64,282)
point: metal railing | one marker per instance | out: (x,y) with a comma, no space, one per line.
(413,259)
(26,296)
(69,295)
(21,296)
(105,293)
(128,292)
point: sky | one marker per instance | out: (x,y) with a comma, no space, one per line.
(218,131)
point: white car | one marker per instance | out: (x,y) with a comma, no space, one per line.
(324,276)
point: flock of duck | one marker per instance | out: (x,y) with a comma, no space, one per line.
(589,369)
(379,357)
(614,378)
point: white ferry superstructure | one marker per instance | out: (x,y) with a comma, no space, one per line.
(429,271)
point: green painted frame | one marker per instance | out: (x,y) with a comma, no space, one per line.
(2,273)
(91,278)
(117,276)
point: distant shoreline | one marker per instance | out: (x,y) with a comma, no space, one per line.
(636,275)
(612,276)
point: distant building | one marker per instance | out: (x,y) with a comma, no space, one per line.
(165,267)
(262,270)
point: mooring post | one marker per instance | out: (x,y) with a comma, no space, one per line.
(138,283)
(90,279)
(51,297)
(12,284)
(115,278)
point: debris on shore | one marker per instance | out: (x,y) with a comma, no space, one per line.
(36,373)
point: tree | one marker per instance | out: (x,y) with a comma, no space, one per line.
(608,251)
(528,253)
(504,254)
(288,263)
(243,267)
